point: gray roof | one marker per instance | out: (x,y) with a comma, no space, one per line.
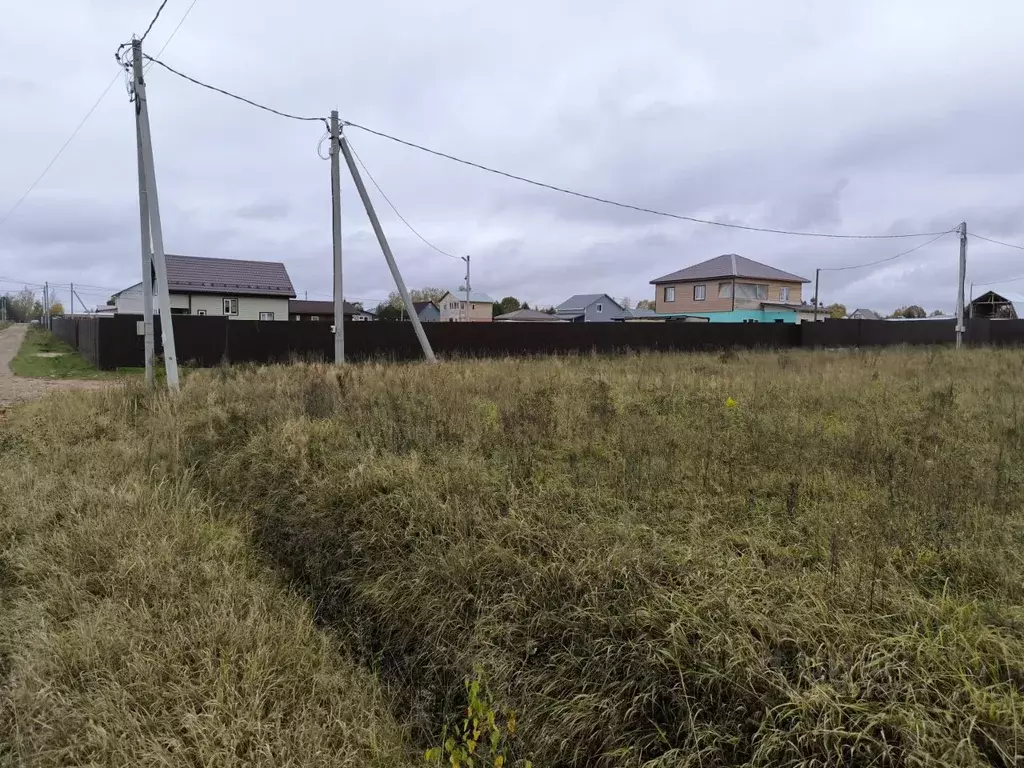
(304,307)
(640,312)
(528,315)
(581,301)
(477,296)
(866,314)
(198,274)
(729,265)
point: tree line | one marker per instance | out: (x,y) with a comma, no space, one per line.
(24,306)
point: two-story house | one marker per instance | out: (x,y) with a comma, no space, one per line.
(590,308)
(239,289)
(453,307)
(733,289)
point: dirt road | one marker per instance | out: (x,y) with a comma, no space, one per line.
(15,389)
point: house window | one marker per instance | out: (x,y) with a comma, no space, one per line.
(700,292)
(669,293)
(230,306)
(725,290)
(600,308)
(200,311)
(784,293)
(266,315)
(314,317)
(751,291)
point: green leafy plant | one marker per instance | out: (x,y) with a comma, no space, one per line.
(483,736)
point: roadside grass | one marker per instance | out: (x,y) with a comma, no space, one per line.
(66,364)
(758,559)
(138,628)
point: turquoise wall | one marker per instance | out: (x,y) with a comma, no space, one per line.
(741,315)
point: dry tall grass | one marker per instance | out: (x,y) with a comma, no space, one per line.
(137,628)
(756,559)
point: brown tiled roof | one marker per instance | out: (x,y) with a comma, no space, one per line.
(729,265)
(199,274)
(305,307)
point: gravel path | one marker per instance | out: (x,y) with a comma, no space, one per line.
(16,389)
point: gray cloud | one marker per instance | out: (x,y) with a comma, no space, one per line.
(852,118)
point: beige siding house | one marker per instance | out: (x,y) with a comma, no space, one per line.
(732,288)
(453,307)
(240,290)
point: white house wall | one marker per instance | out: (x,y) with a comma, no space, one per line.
(129,302)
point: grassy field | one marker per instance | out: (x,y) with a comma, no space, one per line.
(773,559)
(138,628)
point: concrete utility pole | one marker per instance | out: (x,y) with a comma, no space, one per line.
(817,277)
(960,285)
(350,161)
(156,231)
(46,305)
(147,263)
(72,299)
(469,317)
(339,296)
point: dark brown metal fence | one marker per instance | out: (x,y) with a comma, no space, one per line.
(114,342)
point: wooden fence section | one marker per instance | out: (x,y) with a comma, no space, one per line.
(114,342)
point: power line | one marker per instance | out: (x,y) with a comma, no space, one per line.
(60,151)
(235,96)
(175,30)
(630,206)
(889,258)
(997,242)
(393,208)
(543,185)
(157,16)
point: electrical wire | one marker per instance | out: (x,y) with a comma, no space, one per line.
(393,208)
(235,96)
(889,258)
(630,206)
(543,185)
(173,32)
(60,151)
(997,242)
(151,23)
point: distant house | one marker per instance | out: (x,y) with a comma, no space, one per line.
(452,307)
(864,314)
(733,289)
(998,304)
(323,311)
(528,316)
(427,311)
(590,308)
(238,289)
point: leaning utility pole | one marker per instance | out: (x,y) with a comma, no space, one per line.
(156,231)
(469,316)
(339,296)
(817,277)
(147,263)
(386,249)
(960,285)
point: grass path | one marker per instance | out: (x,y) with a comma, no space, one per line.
(16,388)
(138,628)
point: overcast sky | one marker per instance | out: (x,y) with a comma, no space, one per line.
(866,117)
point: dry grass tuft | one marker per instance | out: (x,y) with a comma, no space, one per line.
(754,559)
(138,629)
